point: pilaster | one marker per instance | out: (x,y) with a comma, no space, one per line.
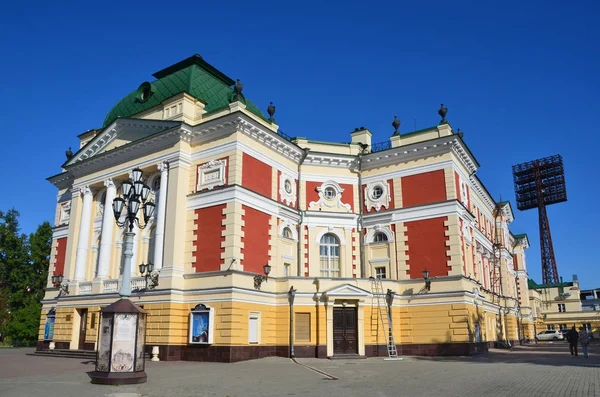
(176,213)
(233,237)
(402,251)
(454,244)
(450,181)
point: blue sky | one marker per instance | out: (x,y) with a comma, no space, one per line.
(520,79)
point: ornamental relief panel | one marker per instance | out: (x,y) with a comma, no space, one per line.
(330,195)
(287,189)
(211,174)
(65,213)
(377,195)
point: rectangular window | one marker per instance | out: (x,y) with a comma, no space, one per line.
(561,308)
(380,272)
(286,270)
(563,326)
(254,328)
(587,326)
(302,327)
(550,327)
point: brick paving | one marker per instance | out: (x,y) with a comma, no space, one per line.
(531,370)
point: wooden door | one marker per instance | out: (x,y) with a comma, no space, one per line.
(345,335)
(82,328)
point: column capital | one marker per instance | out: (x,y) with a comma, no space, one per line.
(163,166)
(109,183)
(85,190)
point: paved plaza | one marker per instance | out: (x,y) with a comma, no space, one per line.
(531,370)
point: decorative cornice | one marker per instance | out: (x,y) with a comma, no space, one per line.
(100,141)
(331,160)
(436,210)
(244,196)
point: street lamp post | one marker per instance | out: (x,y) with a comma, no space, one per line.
(122,331)
(291,296)
(135,194)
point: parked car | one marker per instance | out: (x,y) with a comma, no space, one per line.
(550,335)
(563,332)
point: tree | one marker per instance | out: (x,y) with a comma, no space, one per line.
(13,253)
(24,271)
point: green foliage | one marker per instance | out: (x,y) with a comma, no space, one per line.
(24,262)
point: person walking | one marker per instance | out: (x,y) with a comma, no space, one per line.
(584,339)
(573,337)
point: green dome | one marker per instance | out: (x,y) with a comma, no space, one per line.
(193,76)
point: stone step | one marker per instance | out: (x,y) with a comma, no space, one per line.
(66,353)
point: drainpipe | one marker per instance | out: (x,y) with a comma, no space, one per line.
(300,240)
(359,221)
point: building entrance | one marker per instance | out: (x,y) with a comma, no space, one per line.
(345,335)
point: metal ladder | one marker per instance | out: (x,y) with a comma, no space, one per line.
(377,291)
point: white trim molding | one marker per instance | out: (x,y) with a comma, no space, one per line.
(334,201)
(332,230)
(287,189)
(211,174)
(379,229)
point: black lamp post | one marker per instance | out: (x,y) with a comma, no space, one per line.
(151,277)
(57,281)
(427,280)
(135,195)
(259,278)
(291,297)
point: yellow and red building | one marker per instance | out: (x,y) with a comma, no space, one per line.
(234,194)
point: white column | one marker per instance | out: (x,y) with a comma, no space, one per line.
(84,235)
(107,231)
(134,259)
(161,212)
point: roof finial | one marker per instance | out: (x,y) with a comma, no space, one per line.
(237,89)
(396,125)
(459,133)
(69,154)
(271,111)
(442,112)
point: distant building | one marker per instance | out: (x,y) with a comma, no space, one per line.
(233,194)
(562,305)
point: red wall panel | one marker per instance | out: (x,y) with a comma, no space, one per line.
(256,176)
(255,240)
(425,188)
(207,253)
(60,256)
(427,247)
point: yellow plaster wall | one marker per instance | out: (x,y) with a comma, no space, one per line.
(63,328)
(168,323)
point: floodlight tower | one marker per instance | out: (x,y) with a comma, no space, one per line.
(539,183)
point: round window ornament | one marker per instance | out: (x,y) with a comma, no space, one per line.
(330,193)
(288,186)
(377,192)
(144,91)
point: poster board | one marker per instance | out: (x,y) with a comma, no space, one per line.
(201,325)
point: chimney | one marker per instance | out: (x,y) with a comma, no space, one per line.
(362,135)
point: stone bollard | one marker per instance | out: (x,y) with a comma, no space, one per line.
(154,354)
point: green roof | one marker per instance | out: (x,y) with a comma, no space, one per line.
(193,76)
(521,236)
(533,285)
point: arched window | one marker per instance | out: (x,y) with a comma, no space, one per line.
(380,237)
(330,256)
(287,233)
